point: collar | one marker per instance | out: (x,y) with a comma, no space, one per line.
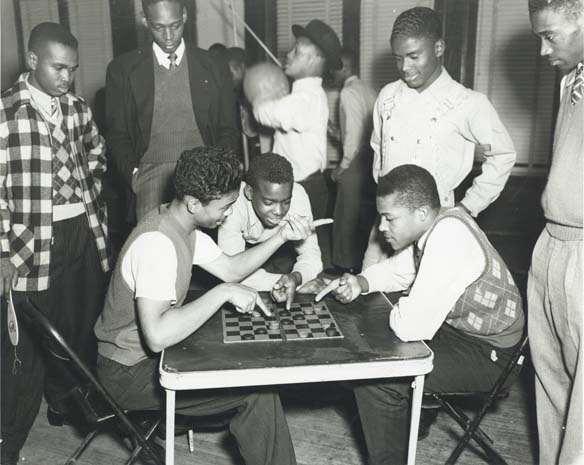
(162,57)
(350,79)
(571,76)
(307,83)
(42,100)
(442,82)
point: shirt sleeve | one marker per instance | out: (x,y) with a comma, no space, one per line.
(150,266)
(452,260)
(486,129)
(288,113)
(395,273)
(230,234)
(206,251)
(309,260)
(376,137)
(352,122)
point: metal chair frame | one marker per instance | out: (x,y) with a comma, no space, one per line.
(97,421)
(470,426)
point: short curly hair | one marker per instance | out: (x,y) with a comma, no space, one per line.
(207,173)
(270,167)
(418,22)
(414,186)
(572,9)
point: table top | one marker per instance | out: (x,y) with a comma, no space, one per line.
(368,350)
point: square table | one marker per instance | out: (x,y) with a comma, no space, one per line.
(369,350)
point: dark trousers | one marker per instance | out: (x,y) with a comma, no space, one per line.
(315,186)
(461,363)
(351,227)
(259,425)
(72,304)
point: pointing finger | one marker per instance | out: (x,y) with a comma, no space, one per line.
(322,222)
(263,307)
(329,287)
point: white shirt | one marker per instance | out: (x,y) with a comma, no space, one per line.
(162,56)
(300,120)
(438,129)
(355,117)
(149,267)
(453,259)
(243,226)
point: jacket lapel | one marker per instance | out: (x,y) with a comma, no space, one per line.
(200,91)
(142,85)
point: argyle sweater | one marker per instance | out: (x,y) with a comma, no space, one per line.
(26,181)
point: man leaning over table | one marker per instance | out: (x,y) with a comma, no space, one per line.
(145,313)
(462,300)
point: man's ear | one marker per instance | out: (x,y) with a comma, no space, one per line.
(31,60)
(184,15)
(192,204)
(440,48)
(144,20)
(423,213)
(248,192)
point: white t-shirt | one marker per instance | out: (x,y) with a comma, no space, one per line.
(149,266)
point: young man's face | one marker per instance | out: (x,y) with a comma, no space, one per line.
(216,211)
(417,60)
(399,225)
(562,38)
(301,58)
(166,22)
(53,68)
(270,201)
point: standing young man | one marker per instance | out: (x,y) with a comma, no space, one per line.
(161,100)
(353,174)
(428,119)
(554,290)
(462,300)
(300,118)
(53,233)
(145,312)
(269,196)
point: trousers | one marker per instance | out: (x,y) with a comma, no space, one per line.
(461,363)
(554,297)
(259,426)
(72,303)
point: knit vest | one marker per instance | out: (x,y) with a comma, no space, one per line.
(174,128)
(490,308)
(66,183)
(117,332)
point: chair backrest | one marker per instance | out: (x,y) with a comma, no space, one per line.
(39,322)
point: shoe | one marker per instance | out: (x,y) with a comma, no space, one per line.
(56,418)
(427,418)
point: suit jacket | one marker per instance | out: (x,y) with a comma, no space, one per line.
(130,105)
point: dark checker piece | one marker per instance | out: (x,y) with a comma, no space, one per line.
(247,336)
(260,331)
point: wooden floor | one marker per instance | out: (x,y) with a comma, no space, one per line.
(323,432)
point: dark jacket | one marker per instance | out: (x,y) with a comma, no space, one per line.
(130,105)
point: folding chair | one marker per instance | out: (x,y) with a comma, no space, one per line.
(471,428)
(97,405)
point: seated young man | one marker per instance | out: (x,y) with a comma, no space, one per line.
(145,313)
(462,300)
(268,196)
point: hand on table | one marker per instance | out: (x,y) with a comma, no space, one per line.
(9,276)
(285,289)
(245,299)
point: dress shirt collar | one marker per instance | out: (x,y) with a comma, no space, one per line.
(307,83)
(41,99)
(162,56)
(571,76)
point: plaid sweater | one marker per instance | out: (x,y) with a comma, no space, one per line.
(26,181)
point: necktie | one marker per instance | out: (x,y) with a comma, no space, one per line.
(54,107)
(172,57)
(578,86)
(417,255)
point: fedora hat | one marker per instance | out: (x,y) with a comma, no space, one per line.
(322,35)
